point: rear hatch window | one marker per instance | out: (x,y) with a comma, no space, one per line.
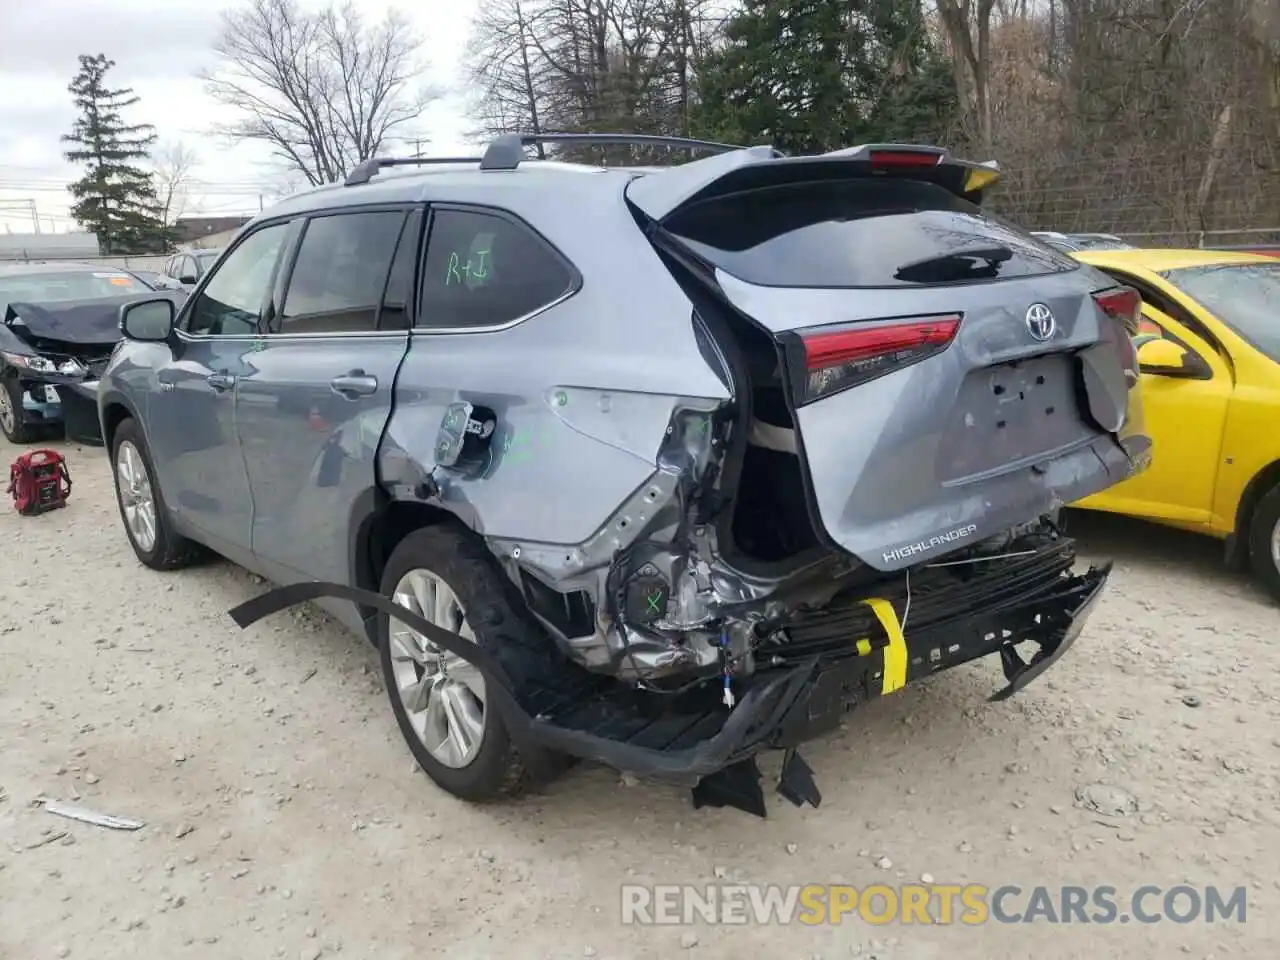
(866,232)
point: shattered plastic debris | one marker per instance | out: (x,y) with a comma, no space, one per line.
(85,815)
(1108,800)
(46,840)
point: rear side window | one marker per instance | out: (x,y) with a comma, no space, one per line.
(340,273)
(859,233)
(485,270)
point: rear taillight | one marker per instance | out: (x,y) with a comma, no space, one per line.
(1125,305)
(826,361)
(903,159)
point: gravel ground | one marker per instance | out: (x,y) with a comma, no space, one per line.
(285,817)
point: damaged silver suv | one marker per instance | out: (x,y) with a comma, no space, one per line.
(658,466)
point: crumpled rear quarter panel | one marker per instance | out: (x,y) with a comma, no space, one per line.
(620,352)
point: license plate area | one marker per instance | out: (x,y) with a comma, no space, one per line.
(38,397)
(1012,412)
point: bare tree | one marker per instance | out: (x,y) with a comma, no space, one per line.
(323,90)
(588,65)
(173,165)
(968,27)
(505,68)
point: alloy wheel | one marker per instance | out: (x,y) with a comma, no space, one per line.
(1275,545)
(136,498)
(442,694)
(8,416)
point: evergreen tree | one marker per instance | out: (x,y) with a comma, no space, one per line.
(913,94)
(115,199)
(816,75)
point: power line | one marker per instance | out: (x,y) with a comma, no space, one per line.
(245,190)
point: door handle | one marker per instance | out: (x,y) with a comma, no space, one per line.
(220,381)
(357,383)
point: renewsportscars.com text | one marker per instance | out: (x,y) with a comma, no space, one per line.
(932,903)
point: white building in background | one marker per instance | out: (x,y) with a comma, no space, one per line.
(213,241)
(207,233)
(48,246)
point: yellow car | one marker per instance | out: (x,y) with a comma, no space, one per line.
(1209,358)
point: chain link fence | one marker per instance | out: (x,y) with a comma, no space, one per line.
(1250,239)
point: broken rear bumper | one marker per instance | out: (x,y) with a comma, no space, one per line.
(686,739)
(785,708)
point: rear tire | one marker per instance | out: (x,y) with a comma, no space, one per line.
(136,486)
(12,423)
(1264,542)
(450,576)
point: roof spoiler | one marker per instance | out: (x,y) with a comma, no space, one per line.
(660,194)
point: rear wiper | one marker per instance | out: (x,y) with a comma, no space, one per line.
(962,262)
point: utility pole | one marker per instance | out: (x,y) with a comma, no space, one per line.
(28,205)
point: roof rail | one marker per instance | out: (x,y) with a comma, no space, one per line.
(366,170)
(507,151)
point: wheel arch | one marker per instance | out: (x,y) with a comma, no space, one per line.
(378,523)
(113,410)
(1265,480)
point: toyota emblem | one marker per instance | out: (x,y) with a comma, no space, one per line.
(1040,321)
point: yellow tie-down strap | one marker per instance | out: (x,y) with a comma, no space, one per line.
(895,654)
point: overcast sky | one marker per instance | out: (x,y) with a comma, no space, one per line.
(158,48)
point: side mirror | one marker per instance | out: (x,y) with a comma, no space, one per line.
(148,321)
(1165,358)
(189,279)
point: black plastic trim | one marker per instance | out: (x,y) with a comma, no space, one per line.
(775,711)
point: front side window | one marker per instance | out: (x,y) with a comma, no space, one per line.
(484,270)
(231,302)
(1154,324)
(340,273)
(1244,296)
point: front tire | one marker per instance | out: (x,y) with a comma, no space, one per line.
(439,700)
(12,424)
(1264,542)
(142,509)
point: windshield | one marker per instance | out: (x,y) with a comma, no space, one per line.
(78,285)
(206,259)
(1244,296)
